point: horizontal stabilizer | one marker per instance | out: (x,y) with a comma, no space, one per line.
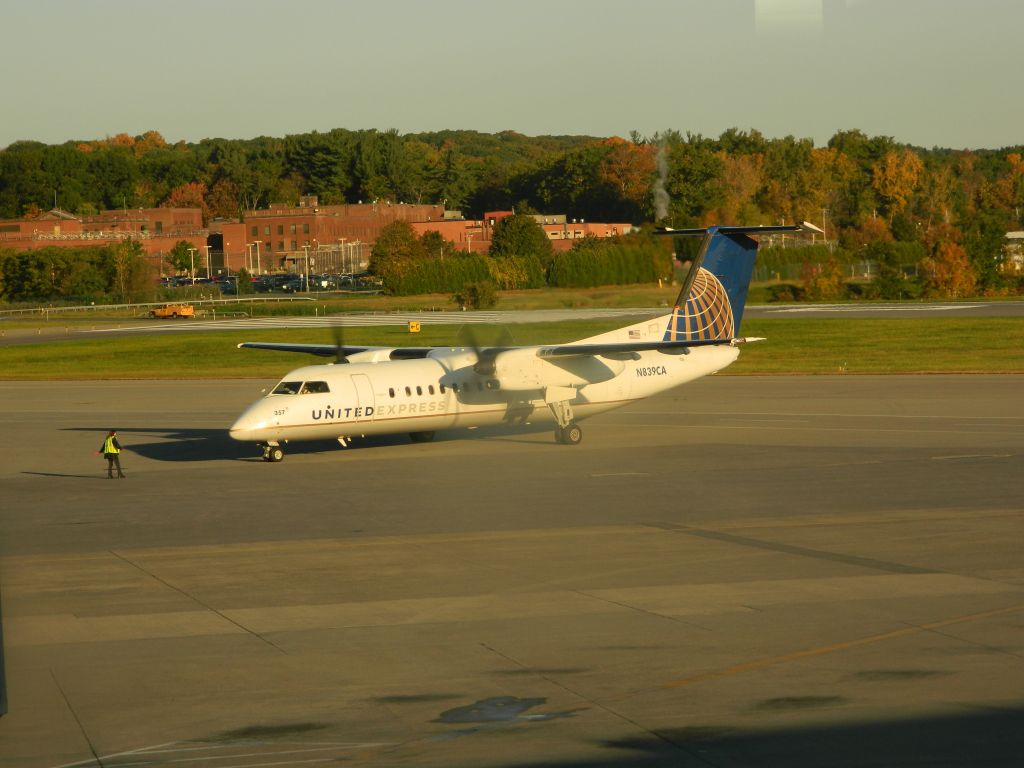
(805,226)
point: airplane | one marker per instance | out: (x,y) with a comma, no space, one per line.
(421,390)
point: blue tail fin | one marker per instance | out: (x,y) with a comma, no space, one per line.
(710,304)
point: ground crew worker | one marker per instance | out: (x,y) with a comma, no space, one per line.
(111,451)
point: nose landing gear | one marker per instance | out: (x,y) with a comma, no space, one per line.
(272,452)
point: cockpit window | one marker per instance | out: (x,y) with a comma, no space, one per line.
(287,388)
(314,387)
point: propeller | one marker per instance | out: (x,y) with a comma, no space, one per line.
(485,356)
(339,344)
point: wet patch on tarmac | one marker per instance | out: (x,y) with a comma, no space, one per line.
(268,731)
(499,709)
(791,703)
(884,675)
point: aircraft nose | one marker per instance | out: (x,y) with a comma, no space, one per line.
(246,426)
(241,429)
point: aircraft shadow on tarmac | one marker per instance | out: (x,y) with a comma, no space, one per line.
(176,444)
(991,737)
(186,445)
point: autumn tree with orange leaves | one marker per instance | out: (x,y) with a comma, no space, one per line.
(896,178)
(948,271)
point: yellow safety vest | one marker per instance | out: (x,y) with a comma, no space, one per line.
(109,447)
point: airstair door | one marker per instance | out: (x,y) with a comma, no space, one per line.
(364,396)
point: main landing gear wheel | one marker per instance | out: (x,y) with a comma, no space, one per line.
(421,437)
(273,453)
(570,434)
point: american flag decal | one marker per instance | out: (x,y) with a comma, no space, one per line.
(634,334)
(707,314)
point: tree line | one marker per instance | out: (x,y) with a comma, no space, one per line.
(868,192)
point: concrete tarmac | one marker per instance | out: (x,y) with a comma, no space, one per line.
(798,571)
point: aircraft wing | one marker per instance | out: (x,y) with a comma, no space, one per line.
(332,350)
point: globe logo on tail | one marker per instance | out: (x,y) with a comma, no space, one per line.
(706,315)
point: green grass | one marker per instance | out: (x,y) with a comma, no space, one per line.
(869,345)
(794,346)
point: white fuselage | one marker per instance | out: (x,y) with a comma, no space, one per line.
(374,395)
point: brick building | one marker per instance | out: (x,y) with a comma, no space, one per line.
(475,236)
(331,238)
(336,238)
(156,230)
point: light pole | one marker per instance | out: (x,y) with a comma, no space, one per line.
(192,256)
(259,269)
(227,262)
(248,257)
(469,242)
(341,251)
(306,265)
(207,261)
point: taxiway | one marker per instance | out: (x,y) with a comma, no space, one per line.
(800,571)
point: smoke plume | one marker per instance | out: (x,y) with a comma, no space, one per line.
(661,198)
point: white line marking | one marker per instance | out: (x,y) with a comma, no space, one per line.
(258,754)
(92,761)
(973,456)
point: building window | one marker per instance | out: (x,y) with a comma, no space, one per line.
(280,229)
(305,228)
(280,245)
(295,245)
(159,227)
(266,230)
(292,229)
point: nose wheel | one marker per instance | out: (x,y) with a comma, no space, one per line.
(273,453)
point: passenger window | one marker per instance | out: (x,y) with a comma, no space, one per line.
(455,387)
(419,390)
(408,392)
(442,389)
(391,391)
(430,389)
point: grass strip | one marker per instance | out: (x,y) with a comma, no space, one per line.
(793,346)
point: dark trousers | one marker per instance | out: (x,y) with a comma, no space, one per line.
(113,460)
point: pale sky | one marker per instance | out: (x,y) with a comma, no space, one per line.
(927,72)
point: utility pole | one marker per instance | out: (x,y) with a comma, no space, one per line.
(306,265)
